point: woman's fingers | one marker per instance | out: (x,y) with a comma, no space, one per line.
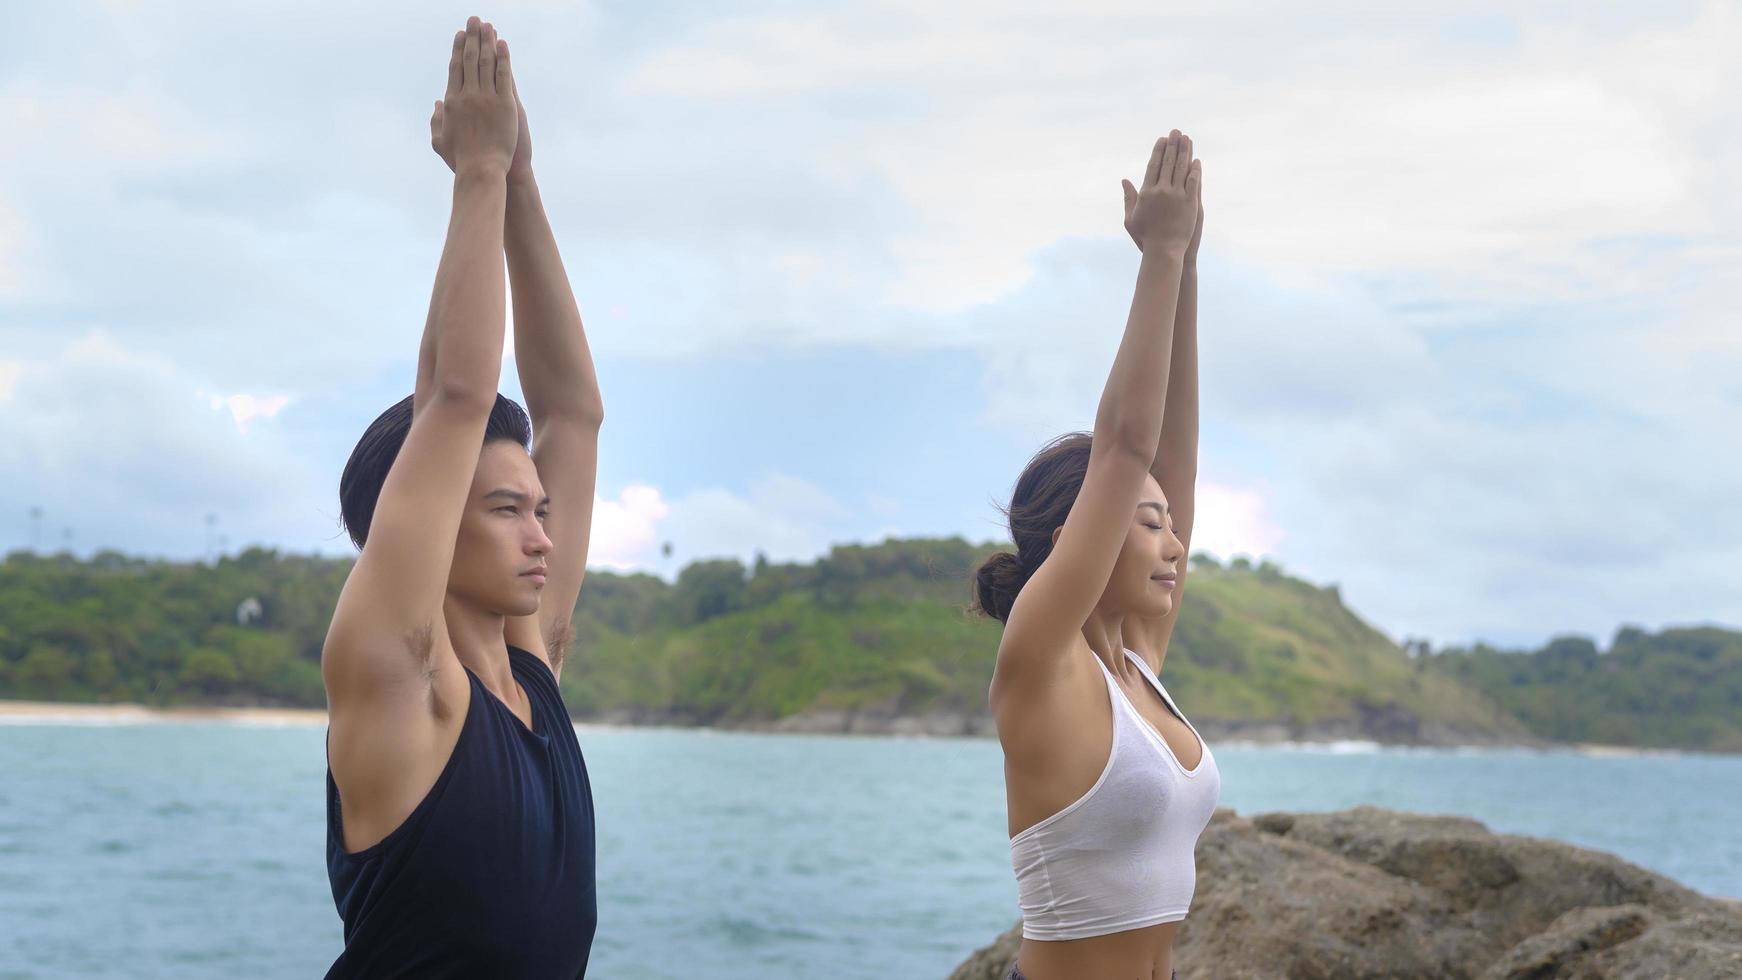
(1166,207)
(469,58)
(504,70)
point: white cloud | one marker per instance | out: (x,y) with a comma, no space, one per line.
(245,408)
(15,241)
(625,531)
(785,518)
(782,516)
(1233,520)
(1333,144)
(1472,515)
(135,130)
(118,448)
(801,172)
(1507,475)
(1468,283)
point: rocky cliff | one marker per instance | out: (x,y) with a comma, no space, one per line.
(1370,893)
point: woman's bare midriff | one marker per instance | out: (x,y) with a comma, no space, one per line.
(1137,954)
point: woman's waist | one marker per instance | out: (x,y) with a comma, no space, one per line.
(1145,952)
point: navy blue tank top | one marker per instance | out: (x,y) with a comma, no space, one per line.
(492,874)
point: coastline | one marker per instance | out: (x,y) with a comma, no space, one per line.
(74,713)
(1336,737)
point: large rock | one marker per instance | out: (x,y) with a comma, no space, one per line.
(1370,893)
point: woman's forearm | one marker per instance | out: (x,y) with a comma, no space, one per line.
(1176,454)
(550,344)
(1131,406)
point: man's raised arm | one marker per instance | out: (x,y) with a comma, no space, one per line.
(562,396)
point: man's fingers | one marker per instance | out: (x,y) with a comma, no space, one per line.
(504,70)
(1195,182)
(456,75)
(1153,171)
(487,57)
(1168,158)
(469,58)
(1183,163)
(1130,195)
(435,126)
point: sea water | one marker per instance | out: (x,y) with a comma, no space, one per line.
(196,849)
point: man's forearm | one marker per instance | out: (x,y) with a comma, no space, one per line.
(460,350)
(550,345)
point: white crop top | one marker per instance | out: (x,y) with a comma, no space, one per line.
(1121,856)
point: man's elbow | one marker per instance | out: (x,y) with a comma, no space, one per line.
(585,413)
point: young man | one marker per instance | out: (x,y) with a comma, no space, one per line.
(459,815)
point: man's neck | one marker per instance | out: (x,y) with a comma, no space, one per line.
(477,635)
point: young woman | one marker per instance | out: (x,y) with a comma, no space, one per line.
(1106,783)
(459,814)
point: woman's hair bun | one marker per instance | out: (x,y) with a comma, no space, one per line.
(996,584)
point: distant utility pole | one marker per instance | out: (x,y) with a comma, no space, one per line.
(211,526)
(35,530)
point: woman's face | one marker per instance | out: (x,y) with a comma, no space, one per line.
(1146,574)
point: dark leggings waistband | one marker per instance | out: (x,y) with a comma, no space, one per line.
(1016,973)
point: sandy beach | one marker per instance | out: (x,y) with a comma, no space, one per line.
(65,713)
(50,712)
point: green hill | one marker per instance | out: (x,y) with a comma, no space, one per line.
(876,631)
(1681,688)
(884,629)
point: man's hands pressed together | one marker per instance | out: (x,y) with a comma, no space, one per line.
(478,124)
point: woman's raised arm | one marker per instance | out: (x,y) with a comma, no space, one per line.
(1176,454)
(1058,597)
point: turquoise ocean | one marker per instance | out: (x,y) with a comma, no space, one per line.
(196,849)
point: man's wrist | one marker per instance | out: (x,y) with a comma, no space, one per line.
(478,175)
(521,180)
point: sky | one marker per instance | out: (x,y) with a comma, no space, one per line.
(1468,348)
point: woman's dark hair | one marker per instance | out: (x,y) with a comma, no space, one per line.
(366,470)
(1042,500)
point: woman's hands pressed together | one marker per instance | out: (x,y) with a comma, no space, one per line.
(1167,212)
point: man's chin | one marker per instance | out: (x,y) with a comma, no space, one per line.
(518,605)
